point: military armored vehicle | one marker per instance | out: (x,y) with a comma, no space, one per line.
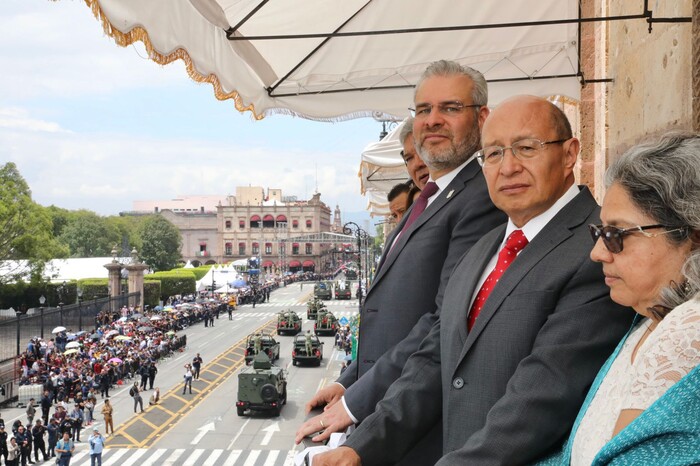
(351,274)
(312,308)
(288,322)
(323,290)
(326,323)
(343,289)
(300,353)
(261,387)
(265,344)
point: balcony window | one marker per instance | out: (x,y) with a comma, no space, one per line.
(295,249)
(308,224)
(241,224)
(241,249)
(228,224)
(228,248)
(268,248)
(309,248)
(256,249)
(295,223)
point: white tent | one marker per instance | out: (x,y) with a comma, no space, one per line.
(331,60)
(381,168)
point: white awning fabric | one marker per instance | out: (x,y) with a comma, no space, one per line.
(333,60)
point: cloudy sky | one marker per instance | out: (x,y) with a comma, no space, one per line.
(96,126)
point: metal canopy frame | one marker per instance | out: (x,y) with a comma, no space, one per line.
(646,14)
(323,237)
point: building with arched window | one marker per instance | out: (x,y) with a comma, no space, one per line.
(252,223)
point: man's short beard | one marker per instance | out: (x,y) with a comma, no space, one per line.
(453,156)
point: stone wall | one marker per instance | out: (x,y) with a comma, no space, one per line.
(653,85)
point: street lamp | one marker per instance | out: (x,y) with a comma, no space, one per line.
(61,289)
(348,229)
(42,301)
(19,314)
(79,291)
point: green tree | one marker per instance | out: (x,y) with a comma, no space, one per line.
(27,239)
(161,243)
(87,235)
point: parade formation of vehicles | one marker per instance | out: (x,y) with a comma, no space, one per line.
(261,387)
(257,343)
(323,290)
(288,322)
(326,323)
(307,349)
(343,290)
(312,308)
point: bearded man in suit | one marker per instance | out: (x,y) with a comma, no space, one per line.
(421,251)
(525,320)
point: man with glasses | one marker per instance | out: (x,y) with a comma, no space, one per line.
(421,251)
(525,319)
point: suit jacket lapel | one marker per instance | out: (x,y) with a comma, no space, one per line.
(553,234)
(445,196)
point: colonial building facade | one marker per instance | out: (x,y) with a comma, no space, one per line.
(253,224)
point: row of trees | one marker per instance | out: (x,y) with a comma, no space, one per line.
(33,234)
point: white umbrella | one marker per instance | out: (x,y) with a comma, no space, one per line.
(156,318)
(332,60)
(73,344)
(58,329)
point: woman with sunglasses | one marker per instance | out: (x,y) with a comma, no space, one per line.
(644,406)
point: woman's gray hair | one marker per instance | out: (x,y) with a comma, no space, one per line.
(663,180)
(480,93)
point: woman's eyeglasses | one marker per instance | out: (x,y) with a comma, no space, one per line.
(612,236)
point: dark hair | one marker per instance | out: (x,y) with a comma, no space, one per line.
(397,190)
(411,194)
(662,178)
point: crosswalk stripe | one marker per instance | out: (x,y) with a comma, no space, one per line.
(173,457)
(186,457)
(212,458)
(153,458)
(252,458)
(112,459)
(271,458)
(192,459)
(133,458)
(233,457)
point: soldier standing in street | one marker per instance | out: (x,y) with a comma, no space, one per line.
(197,364)
(152,371)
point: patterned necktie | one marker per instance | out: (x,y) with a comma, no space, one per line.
(420,204)
(515,242)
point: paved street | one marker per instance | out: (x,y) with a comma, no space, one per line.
(204,428)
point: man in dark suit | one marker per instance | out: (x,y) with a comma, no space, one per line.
(523,329)
(418,258)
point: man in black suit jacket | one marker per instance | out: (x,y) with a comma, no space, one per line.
(418,259)
(508,389)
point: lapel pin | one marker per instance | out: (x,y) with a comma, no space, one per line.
(449,195)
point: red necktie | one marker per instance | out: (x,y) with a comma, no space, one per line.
(420,204)
(515,242)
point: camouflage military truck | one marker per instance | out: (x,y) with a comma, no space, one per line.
(343,289)
(326,323)
(323,290)
(288,322)
(261,343)
(300,353)
(312,308)
(261,387)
